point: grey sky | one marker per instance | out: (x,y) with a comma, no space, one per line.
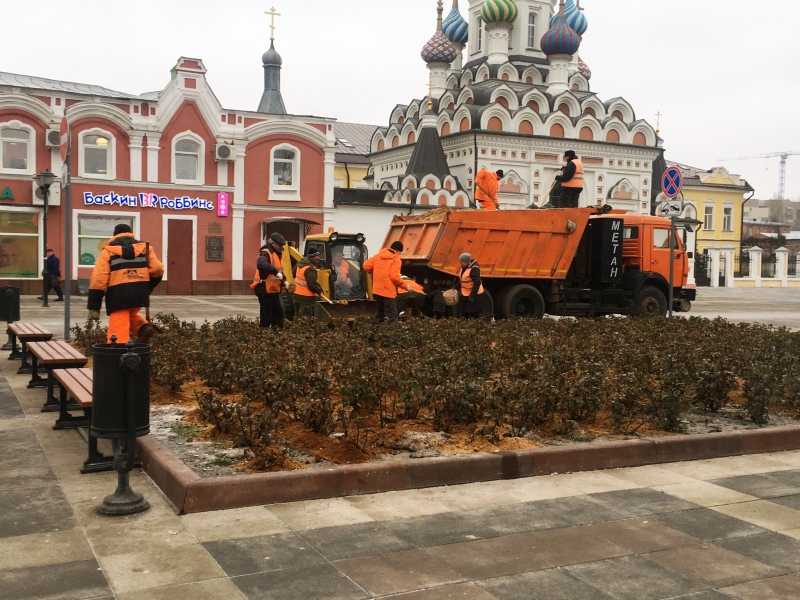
(724,73)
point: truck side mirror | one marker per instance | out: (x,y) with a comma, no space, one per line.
(690,255)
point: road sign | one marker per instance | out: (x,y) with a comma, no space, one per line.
(672,182)
(64,138)
(673,208)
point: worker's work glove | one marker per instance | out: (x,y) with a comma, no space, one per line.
(280,276)
(94,315)
(408,288)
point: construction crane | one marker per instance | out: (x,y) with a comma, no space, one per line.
(784,156)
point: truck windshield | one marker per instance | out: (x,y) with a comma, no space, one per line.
(346,261)
(661,239)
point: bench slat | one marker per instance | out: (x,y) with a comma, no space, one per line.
(68,378)
(28,330)
(56,353)
(83,380)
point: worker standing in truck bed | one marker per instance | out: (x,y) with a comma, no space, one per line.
(486,186)
(571,180)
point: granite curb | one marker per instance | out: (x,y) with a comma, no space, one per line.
(192,494)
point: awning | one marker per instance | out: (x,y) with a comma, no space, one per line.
(308,224)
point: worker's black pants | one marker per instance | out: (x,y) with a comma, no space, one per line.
(271,310)
(387,308)
(569,197)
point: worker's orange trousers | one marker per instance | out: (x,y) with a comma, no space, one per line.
(123,323)
(487,204)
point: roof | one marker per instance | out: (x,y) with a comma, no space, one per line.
(54,85)
(763,222)
(691,177)
(353,138)
(790,235)
(428,156)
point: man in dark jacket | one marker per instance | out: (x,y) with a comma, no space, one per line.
(307,288)
(52,267)
(571,180)
(268,281)
(471,287)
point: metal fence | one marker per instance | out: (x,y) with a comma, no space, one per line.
(702,270)
(793,264)
(741,265)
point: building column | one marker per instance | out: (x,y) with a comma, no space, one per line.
(755,264)
(713,252)
(438,77)
(237,247)
(558,78)
(136,145)
(782,268)
(153,140)
(457,66)
(330,167)
(497,35)
(728,252)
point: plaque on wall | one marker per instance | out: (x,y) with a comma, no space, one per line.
(214,227)
(215,246)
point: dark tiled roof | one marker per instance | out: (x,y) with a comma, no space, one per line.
(428,156)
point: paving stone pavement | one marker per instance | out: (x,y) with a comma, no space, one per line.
(702,530)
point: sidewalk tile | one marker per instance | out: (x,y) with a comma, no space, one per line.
(778,588)
(80,579)
(438,530)
(703,470)
(470,496)
(711,565)
(319,513)
(579,510)
(760,486)
(461,591)
(515,518)
(704,494)
(34,511)
(641,536)
(531,489)
(634,578)
(352,541)
(397,505)
(214,589)
(764,514)
(553,584)
(650,476)
(497,557)
(44,549)
(398,572)
(750,463)
(233,524)
(571,546)
(642,502)
(244,556)
(773,549)
(708,524)
(595,482)
(320,582)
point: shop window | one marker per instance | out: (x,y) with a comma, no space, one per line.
(285,171)
(94,231)
(708,218)
(19,244)
(14,148)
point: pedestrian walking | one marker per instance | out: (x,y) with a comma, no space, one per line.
(307,288)
(471,288)
(571,180)
(52,270)
(125,274)
(268,281)
(486,186)
(385,270)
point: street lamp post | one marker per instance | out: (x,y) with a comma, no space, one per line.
(44,180)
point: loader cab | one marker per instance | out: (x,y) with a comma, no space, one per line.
(342,257)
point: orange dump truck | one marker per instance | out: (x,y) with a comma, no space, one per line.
(570,262)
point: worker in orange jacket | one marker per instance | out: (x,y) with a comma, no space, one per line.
(486,186)
(410,296)
(126,272)
(385,270)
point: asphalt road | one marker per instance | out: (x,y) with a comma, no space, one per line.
(778,307)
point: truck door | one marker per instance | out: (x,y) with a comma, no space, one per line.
(659,255)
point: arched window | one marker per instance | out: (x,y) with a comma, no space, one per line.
(14,149)
(464,124)
(97,154)
(526,127)
(412,137)
(504,77)
(532,31)
(501,100)
(446,129)
(586,134)
(639,139)
(395,142)
(495,124)
(612,136)
(564,108)
(533,105)
(618,114)
(557,131)
(590,111)
(285,171)
(381,146)
(187,160)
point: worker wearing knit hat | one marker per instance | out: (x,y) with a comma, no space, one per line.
(471,288)
(385,270)
(571,180)
(268,281)
(306,285)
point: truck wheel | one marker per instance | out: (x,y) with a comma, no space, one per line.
(522,302)
(650,303)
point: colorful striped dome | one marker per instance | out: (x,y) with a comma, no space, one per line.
(496,11)
(584,70)
(455,27)
(575,18)
(560,39)
(438,50)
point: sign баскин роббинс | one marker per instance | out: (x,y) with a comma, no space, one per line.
(145,200)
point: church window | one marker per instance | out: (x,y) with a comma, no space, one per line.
(564,108)
(586,134)
(533,105)
(526,128)
(557,131)
(283,168)
(532,31)
(617,114)
(639,139)
(187,160)
(613,136)
(446,129)
(480,34)
(14,148)
(395,142)
(589,111)
(381,146)
(464,124)
(708,218)
(502,101)
(412,137)
(504,77)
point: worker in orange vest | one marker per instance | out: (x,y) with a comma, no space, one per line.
(471,288)
(126,272)
(269,280)
(410,299)
(571,180)
(385,270)
(307,288)
(486,186)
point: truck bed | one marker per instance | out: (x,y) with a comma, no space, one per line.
(538,244)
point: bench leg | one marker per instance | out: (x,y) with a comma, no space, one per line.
(36,381)
(25,367)
(66,420)
(12,345)
(52,403)
(96,462)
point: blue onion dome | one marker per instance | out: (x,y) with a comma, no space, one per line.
(584,70)
(575,18)
(455,27)
(560,39)
(438,50)
(271,57)
(497,11)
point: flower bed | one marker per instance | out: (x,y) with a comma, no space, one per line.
(354,392)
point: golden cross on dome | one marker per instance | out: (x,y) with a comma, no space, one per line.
(430,96)
(658,122)
(579,5)
(273,13)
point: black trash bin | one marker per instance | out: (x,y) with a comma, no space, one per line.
(110,387)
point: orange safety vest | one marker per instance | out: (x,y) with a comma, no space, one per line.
(577,179)
(272,284)
(466,281)
(301,282)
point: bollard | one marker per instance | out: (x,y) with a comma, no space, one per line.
(121,413)
(9,309)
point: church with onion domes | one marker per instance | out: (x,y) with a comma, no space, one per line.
(508,90)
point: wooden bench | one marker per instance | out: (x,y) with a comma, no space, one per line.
(25,333)
(77,384)
(52,355)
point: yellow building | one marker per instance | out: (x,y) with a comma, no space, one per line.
(352,147)
(716,198)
